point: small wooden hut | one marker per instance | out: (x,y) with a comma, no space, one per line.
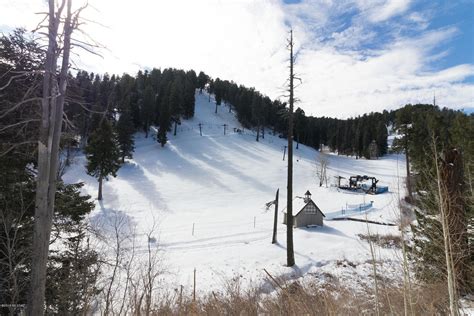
(308,213)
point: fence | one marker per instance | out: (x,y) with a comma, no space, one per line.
(359,207)
(350,209)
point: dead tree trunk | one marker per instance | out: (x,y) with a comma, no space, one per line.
(52,105)
(290,255)
(275,219)
(99,195)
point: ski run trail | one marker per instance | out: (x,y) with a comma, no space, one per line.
(200,201)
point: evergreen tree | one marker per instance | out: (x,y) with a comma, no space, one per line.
(164,121)
(381,138)
(202,80)
(103,155)
(300,125)
(176,102)
(217,92)
(155,79)
(189,94)
(429,128)
(125,132)
(257,112)
(147,109)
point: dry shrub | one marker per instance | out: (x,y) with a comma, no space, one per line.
(427,299)
(384,241)
(295,298)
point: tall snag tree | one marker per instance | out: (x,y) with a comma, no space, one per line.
(103,155)
(290,254)
(60,28)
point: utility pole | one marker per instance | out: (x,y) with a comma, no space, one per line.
(290,255)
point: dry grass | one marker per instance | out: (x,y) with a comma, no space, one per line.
(293,298)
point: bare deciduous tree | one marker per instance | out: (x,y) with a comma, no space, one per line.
(450,201)
(322,163)
(13,256)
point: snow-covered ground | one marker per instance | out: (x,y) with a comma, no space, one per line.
(206,195)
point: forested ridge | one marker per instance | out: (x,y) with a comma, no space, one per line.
(164,97)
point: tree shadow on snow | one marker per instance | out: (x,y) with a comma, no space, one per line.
(109,221)
(145,187)
(324,230)
(170,160)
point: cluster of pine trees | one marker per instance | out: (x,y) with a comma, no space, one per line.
(164,98)
(155,97)
(348,137)
(440,149)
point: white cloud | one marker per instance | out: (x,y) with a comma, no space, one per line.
(348,67)
(381,10)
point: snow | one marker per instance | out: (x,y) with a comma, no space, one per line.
(206,195)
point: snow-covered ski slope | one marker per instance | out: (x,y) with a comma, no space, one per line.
(206,196)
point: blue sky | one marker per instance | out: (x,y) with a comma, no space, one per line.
(461,15)
(459,49)
(354,56)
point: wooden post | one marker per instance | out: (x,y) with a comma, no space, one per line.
(275,219)
(193,230)
(194,286)
(200,129)
(180,296)
(254,221)
(284,152)
(225,125)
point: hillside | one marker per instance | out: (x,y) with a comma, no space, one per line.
(217,185)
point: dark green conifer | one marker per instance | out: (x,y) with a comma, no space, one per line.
(164,121)
(103,155)
(125,132)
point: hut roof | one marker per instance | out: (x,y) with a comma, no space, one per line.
(299,204)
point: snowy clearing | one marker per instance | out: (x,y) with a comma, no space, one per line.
(206,195)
